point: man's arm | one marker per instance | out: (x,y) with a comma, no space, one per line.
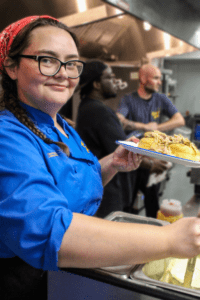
(176,120)
(130,125)
(154,165)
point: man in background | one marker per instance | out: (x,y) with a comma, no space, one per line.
(144,108)
(142,111)
(100,128)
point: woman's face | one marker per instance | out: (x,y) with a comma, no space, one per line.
(48,94)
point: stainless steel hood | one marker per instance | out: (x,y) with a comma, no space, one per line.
(180,18)
(110,34)
(123,39)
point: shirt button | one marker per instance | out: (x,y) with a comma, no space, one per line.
(49,130)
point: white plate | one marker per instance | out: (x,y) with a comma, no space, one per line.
(131,146)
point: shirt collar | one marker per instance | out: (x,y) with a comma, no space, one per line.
(37,115)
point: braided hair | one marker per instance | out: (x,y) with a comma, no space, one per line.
(9,97)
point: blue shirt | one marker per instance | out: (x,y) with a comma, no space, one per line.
(40,187)
(139,110)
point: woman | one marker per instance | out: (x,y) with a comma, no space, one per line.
(50,182)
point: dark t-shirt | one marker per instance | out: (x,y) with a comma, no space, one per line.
(137,109)
(99,127)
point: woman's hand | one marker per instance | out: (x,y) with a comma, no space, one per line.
(185,237)
(124,160)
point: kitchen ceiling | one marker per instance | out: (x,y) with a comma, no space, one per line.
(101,31)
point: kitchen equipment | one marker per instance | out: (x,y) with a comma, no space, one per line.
(189,272)
(129,218)
(133,278)
(138,273)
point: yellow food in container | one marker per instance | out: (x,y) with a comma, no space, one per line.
(172,271)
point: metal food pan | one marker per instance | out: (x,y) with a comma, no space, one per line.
(118,216)
(138,275)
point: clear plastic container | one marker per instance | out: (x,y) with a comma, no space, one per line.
(170,210)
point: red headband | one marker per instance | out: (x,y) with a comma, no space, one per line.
(9,33)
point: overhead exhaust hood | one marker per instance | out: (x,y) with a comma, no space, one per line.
(113,30)
(116,37)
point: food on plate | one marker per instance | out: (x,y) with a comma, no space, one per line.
(175,145)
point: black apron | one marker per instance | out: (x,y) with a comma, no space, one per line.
(20,281)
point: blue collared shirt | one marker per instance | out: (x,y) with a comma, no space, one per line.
(40,187)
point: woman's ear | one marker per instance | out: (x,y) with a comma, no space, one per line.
(10,68)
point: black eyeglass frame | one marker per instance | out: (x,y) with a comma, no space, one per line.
(39,57)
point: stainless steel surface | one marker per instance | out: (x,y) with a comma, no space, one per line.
(189,271)
(119,216)
(139,275)
(125,271)
(179,18)
(104,37)
(135,273)
(125,279)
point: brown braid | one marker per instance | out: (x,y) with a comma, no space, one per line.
(11,102)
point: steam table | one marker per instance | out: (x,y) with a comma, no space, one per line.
(60,284)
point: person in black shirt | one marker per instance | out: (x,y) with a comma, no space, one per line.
(100,128)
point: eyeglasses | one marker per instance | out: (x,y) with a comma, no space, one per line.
(50,66)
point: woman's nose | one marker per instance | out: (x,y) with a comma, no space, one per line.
(62,72)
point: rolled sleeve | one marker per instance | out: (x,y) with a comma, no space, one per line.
(61,224)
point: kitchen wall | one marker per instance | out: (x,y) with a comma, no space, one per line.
(187,74)
(128,75)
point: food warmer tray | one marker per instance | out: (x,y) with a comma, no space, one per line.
(132,277)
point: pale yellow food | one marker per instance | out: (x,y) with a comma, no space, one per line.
(175,145)
(173,270)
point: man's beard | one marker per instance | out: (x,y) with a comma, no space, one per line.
(109,95)
(149,90)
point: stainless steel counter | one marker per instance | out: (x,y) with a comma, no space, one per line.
(124,276)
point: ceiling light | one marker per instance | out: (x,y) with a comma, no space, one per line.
(167,39)
(82,5)
(119,12)
(147,26)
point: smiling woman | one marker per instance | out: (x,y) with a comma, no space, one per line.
(48,198)
(49,89)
